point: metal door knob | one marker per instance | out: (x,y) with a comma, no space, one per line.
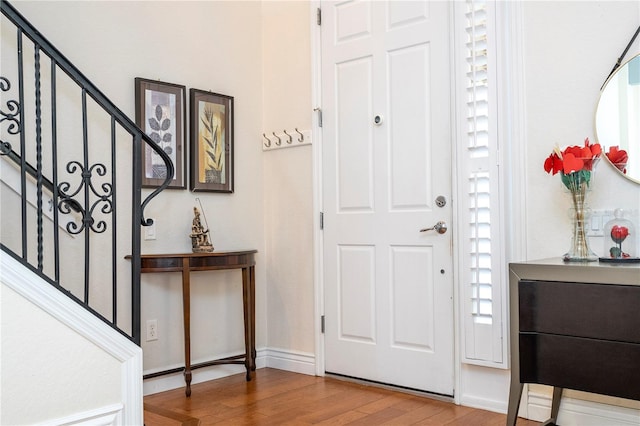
(440,228)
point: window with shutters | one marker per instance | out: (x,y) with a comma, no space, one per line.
(481,266)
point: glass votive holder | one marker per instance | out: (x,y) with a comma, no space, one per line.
(619,239)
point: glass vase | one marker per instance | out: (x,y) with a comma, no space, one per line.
(578,186)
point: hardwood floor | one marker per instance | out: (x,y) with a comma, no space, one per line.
(277,397)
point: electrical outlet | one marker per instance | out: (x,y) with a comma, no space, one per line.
(152,330)
(150,232)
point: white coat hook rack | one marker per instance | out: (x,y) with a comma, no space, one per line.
(290,138)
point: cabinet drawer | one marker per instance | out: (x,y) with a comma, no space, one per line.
(610,368)
(599,311)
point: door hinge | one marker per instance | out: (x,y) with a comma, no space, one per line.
(319,111)
(322,324)
(321,220)
(318,17)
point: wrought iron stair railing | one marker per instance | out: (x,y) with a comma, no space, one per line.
(64,139)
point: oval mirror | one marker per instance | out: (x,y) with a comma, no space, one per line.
(618,118)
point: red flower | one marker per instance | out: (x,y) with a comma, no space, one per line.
(618,158)
(596,149)
(619,233)
(553,164)
(573,159)
(571,163)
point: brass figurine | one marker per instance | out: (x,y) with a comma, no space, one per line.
(199,236)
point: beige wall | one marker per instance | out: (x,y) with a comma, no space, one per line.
(569,48)
(288,185)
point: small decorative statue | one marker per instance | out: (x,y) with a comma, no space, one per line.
(199,236)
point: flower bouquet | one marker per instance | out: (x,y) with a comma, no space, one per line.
(576,165)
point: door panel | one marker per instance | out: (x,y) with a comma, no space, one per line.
(412,300)
(353,143)
(386,155)
(357,293)
(410,183)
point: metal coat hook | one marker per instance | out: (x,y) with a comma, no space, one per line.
(277,137)
(268,144)
(289,136)
(301,138)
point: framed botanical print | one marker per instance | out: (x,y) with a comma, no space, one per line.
(161,113)
(211,141)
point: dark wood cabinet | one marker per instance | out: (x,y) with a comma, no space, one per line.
(574,326)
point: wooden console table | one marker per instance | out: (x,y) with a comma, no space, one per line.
(574,326)
(217,260)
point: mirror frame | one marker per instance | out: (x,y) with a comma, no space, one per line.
(613,74)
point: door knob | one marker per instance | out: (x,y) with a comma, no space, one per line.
(440,228)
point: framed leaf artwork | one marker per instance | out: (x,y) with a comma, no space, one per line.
(211,141)
(161,113)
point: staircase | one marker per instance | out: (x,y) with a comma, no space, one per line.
(71,164)
(71,209)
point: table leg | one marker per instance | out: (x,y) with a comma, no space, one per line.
(246,307)
(252,283)
(186,312)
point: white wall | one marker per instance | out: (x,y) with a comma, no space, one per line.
(570,48)
(27,396)
(213,45)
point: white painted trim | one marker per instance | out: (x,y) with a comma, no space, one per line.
(483,403)
(455,216)
(42,294)
(581,413)
(104,416)
(294,361)
(316,101)
(511,93)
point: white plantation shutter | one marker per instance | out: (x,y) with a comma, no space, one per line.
(481,262)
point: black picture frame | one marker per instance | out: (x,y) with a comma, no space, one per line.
(211,119)
(161,114)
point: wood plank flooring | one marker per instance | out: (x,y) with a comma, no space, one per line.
(276,397)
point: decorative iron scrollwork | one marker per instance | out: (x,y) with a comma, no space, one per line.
(104,195)
(10,115)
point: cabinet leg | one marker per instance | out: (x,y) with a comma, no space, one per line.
(555,404)
(515,393)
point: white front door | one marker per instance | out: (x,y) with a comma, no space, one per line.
(386,158)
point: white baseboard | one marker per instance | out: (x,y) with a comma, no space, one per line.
(576,412)
(296,362)
(483,403)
